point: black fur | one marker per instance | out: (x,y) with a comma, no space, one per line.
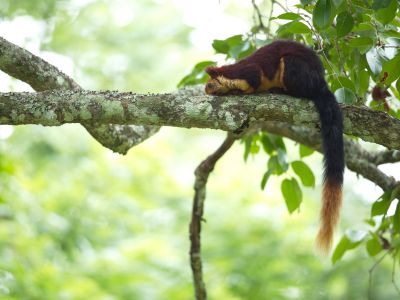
(304,77)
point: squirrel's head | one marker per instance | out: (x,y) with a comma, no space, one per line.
(215,85)
(218,84)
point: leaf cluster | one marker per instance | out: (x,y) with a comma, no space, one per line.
(358,42)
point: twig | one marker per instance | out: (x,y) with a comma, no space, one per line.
(257,10)
(271,11)
(372,270)
(393,275)
(201,176)
(320,45)
(286,9)
(341,63)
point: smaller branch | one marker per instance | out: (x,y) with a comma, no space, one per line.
(258,12)
(371,270)
(357,159)
(27,67)
(394,274)
(384,157)
(271,11)
(286,9)
(202,173)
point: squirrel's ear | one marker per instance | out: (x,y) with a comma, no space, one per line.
(212,71)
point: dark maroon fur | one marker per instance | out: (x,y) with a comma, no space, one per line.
(267,59)
(303,77)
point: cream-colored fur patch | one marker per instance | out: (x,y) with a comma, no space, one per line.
(276,82)
(235,84)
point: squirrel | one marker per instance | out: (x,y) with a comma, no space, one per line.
(295,70)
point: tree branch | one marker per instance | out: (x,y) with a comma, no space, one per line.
(259,15)
(357,159)
(40,75)
(385,156)
(202,173)
(53,108)
(27,67)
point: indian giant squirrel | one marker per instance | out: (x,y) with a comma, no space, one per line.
(297,71)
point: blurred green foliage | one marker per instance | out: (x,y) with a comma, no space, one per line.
(78,222)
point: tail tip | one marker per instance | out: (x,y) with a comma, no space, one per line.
(324,242)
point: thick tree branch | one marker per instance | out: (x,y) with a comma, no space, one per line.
(357,159)
(40,75)
(27,67)
(385,156)
(228,113)
(202,173)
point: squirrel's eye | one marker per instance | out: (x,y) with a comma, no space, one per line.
(210,85)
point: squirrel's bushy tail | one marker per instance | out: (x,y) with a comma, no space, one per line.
(332,144)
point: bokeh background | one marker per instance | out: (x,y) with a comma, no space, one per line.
(80,222)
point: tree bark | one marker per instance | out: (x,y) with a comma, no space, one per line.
(185,109)
(41,76)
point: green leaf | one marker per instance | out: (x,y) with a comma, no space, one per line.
(220,46)
(305,151)
(255,148)
(396,219)
(362,43)
(278,142)
(234,47)
(338,3)
(342,81)
(294,27)
(241,50)
(267,144)
(362,82)
(391,33)
(346,243)
(364,29)
(345,95)
(247,145)
(385,224)
(344,23)
(381,206)
(291,193)
(197,75)
(340,249)
(277,164)
(375,59)
(378,4)
(370,222)
(392,70)
(265,179)
(387,14)
(398,85)
(287,16)
(282,158)
(373,246)
(323,14)
(234,40)
(304,172)
(396,243)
